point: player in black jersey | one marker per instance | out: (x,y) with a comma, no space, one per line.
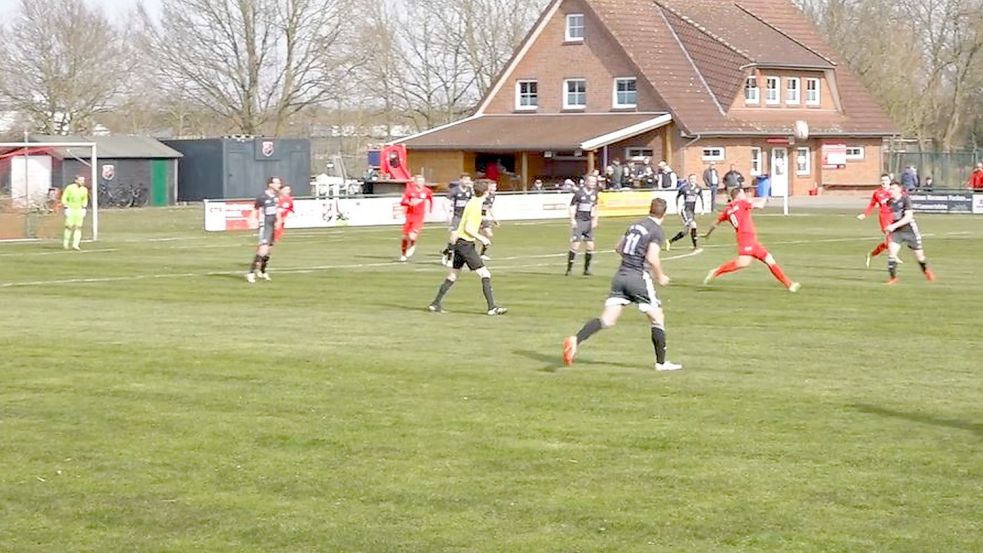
(686,198)
(633,283)
(266,210)
(583,223)
(488,221)
(457,197)
(903,231)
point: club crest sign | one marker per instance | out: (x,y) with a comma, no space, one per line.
(108,172)
(268,148)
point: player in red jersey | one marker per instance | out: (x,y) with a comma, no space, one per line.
(285,205)
(417,201)
(881,199)
(738,214)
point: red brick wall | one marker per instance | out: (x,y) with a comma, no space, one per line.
(599,59)
(738,152)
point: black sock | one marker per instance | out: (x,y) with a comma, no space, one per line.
(444,288)
(695,237)
(257,260)
(924,265)
(263,263)
(571,256)
(592,327)
(487,290)
(679,236)
(659,342)
(892,267)
(588,257)
(449,248)
(484,249)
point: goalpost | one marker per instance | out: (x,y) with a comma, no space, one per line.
(32,176)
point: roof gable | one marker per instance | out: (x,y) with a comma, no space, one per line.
(719,64)
(118,146)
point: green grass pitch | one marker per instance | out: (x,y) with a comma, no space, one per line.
(152,401)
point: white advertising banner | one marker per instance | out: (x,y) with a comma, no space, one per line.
(226,215)
(978,204)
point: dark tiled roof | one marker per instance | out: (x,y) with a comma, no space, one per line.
(533,132)
(695,53)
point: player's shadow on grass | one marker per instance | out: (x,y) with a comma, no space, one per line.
(554,363)
(974,427)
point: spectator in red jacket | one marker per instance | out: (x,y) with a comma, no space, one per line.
(976,179)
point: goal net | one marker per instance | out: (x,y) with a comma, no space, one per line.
(32,177)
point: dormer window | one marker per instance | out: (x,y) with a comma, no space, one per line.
(752,94)
(812,92)
(771,91)
(575,27)
(793,92)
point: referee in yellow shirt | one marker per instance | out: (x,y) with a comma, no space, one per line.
(466,253)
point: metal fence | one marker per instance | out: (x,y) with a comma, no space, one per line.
(947,169)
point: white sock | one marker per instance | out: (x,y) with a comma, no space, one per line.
(77,238)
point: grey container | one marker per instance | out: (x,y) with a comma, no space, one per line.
(238,167)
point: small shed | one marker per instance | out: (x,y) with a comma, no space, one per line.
(238,166)
(125,163)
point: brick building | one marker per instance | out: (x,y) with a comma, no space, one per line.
(687,81)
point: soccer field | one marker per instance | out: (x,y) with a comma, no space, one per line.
(151,400)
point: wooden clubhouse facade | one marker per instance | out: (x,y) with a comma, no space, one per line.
(686,81)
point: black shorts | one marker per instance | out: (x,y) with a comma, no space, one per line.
(267,235)
(465,253)
(689,217)
(633,287)
(908,237)
(584,231)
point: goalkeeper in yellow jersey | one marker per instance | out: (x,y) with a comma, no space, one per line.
(74,199)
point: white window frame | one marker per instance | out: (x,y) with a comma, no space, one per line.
(566,94)
(614,99)
(713,153)
(777,81)
(819,96)
(583,27)
(797,99)
(757,91)
(859,153)
(518,95)
(756,158)
(803,170)
(631,153)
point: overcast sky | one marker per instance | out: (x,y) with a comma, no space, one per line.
(112,7)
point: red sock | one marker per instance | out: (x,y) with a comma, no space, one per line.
(403,247)
(881,248)
(729,267)
(780,275)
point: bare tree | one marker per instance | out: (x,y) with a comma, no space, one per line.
(432,60)
(255,62)
(64,63)
(923,59)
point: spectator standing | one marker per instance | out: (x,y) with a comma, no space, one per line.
(617,174)
(929,183)
(667,177)
(537,186)
(711,180)
(976,179)
(733,178)
(909,179)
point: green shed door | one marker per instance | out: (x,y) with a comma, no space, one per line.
(158,182)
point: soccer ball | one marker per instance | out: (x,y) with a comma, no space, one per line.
(801,130)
